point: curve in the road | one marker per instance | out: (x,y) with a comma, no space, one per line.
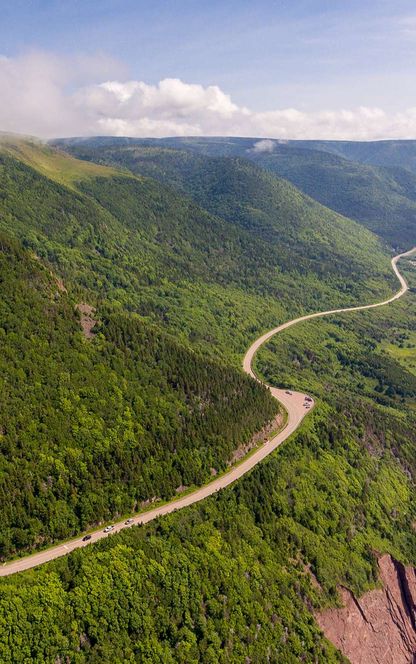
(295,405)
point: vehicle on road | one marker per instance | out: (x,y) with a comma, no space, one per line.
(308,399)
(86,538)
(108,529)
(128,522)
(288,392)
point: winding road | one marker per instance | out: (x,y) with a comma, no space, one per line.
(294,403)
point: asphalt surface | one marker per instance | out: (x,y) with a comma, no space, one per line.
(295,405)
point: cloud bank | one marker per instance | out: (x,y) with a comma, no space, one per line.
(47,96)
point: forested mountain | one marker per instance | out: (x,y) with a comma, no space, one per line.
(142,245)
(375,153)
(91,428)
(186,258)
(110,425)
(389,153)
(379,194)
(382,199)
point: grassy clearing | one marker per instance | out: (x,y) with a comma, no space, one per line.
(54,164)
(403,350)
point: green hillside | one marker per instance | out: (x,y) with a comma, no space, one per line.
(247,196)
(400,153)
(241,252)
(384,200)
(381,198)
(50,162)
(92,428)
(301,232)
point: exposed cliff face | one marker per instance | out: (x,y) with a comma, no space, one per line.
(380,627)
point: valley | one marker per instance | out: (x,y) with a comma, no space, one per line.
(131,289)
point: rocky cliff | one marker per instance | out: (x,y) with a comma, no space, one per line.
(380,626)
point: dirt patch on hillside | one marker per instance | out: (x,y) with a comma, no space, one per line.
(87,319)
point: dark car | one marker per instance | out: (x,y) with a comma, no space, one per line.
(86,538)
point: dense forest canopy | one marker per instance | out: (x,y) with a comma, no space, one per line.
(94,428)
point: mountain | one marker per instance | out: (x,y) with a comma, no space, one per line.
(123,252)
(241,249)
(383,199)
(388,153)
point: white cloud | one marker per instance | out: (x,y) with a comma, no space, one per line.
(265,145)
(37,92)
(49,96)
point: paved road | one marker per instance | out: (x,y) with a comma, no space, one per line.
(296,411)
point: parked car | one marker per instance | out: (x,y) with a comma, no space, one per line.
(128,521)
(288,392)
(308,399)
(108,529)
(86,538)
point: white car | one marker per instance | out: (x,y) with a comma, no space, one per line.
(128,522)
(108,529)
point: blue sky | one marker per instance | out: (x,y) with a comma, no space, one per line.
(310,55)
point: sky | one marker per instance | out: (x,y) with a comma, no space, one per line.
(328,69)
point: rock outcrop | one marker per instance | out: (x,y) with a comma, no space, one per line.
(380,626)
(87,319)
